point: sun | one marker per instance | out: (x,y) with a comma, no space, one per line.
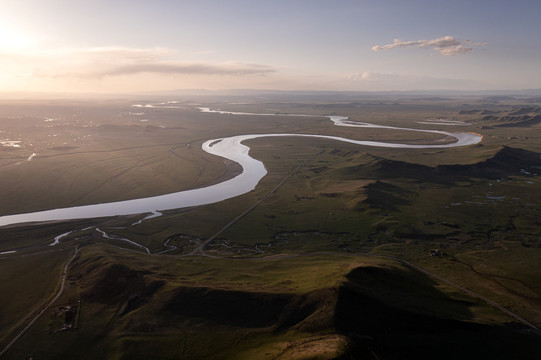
(11,39)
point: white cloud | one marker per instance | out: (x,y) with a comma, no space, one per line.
(117,61)
(375,81)
(373,76)
(447,45)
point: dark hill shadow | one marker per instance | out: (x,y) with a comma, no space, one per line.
(384,195)
(400,314)
(247,309)
(114,285)
(505,163)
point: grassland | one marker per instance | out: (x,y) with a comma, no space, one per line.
(319,269)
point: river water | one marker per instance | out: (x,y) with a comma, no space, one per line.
(229,148)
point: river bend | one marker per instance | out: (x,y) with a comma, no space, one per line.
(233,149)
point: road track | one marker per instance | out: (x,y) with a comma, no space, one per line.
(47,305)
(200,250)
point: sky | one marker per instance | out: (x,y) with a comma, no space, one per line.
(104,46)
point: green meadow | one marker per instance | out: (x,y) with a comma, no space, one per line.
(361,252)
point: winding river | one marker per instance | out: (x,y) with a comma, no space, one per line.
(229,148)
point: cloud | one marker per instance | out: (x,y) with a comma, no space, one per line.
(119,61)
(375,81)
(154,67)
(369,75)
(447,45)
(372,77)
(187,68)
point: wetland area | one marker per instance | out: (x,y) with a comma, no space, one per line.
(280,227)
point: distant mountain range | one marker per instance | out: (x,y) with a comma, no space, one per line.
(427,95)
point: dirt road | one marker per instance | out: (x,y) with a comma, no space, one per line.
(48,304)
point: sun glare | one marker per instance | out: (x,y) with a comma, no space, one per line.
(13,40)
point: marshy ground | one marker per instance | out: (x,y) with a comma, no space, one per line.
(328,265)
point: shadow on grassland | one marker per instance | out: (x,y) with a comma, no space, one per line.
(394,313)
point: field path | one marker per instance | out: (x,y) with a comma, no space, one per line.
(525,322)
(48,305)
(200,250)
(469,292)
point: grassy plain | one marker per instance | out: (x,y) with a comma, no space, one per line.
(312,271)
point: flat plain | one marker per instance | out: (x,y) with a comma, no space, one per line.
(341,251)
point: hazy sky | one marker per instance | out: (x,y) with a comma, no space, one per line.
(139,45)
